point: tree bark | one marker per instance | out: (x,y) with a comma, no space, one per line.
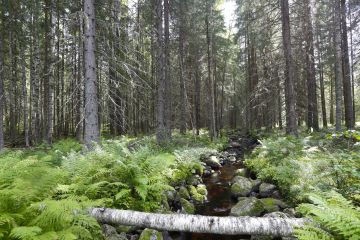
(291,127)
(313,115)
(2,97)
(182,32)
(92,131)
(338,67)
(348,102)
(25,98)
(200,224)
(210,87)
(48,73)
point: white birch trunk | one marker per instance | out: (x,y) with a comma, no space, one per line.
(200,224)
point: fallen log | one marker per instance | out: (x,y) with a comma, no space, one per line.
(277,227)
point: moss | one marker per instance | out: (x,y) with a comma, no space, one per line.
(270,205)
(187,206)
(150,234)
(184,193)
(195,195)
(248,207)
(201,189)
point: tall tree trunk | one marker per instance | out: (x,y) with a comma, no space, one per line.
(313,116)
(80,84)
(348,102)
(2,97)
(197,97)
(168,100)
(25,98)
(211,97)
(182,32)
(34,77)
(338,66)
(92,131)
(161,133)
(291,127)
(48,73)
(321,77)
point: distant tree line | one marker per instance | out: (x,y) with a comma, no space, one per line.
(110,67)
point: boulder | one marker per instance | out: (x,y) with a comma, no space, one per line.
(213,162)
(197,197)
(110,233)
(266,190)
(201,189)
(184,193)
(194,180)
(241,186)
(232,159)
(187,206)
(150,234)
(276,215)
(247,207)
(240,172)
(273,205)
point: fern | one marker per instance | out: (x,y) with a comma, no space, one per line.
(337,217)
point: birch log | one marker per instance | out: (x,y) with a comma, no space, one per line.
(200,224)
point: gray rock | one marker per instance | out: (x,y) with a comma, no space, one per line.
(290,212)
(150,234)
(213,161)
(276,215)
(273,205)
(194,180)
(248,207)
(232,159)
(187,206)
(110,233)
(184,193)
(241,172)
(266,189)
(241,186)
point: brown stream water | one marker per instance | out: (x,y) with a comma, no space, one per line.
(219,201)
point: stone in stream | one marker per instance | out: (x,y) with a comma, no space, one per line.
(273,205)
(150,234)
(111,233)
(240,172)
(232,159)
(183,193)
(248,207)
(241,186)
(187,206)
(213,162)
(197,197)
(266,190)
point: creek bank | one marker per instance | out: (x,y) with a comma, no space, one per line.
(224,187)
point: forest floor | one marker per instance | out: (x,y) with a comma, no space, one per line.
(45,192)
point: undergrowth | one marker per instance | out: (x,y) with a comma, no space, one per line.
(321,172)
(45,192)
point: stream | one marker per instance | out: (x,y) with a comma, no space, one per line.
(220,200)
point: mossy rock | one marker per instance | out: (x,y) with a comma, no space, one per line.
(201,189)
(248,207)
(150,234)
(241,187)
(270,205)
(188,207)
(184,193)
(240,172)
(197,197)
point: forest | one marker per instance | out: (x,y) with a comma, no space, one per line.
(179,119)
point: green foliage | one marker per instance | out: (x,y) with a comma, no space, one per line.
(275,161)
(335,218)
(45,192)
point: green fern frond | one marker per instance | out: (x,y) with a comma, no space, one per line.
(25,233)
